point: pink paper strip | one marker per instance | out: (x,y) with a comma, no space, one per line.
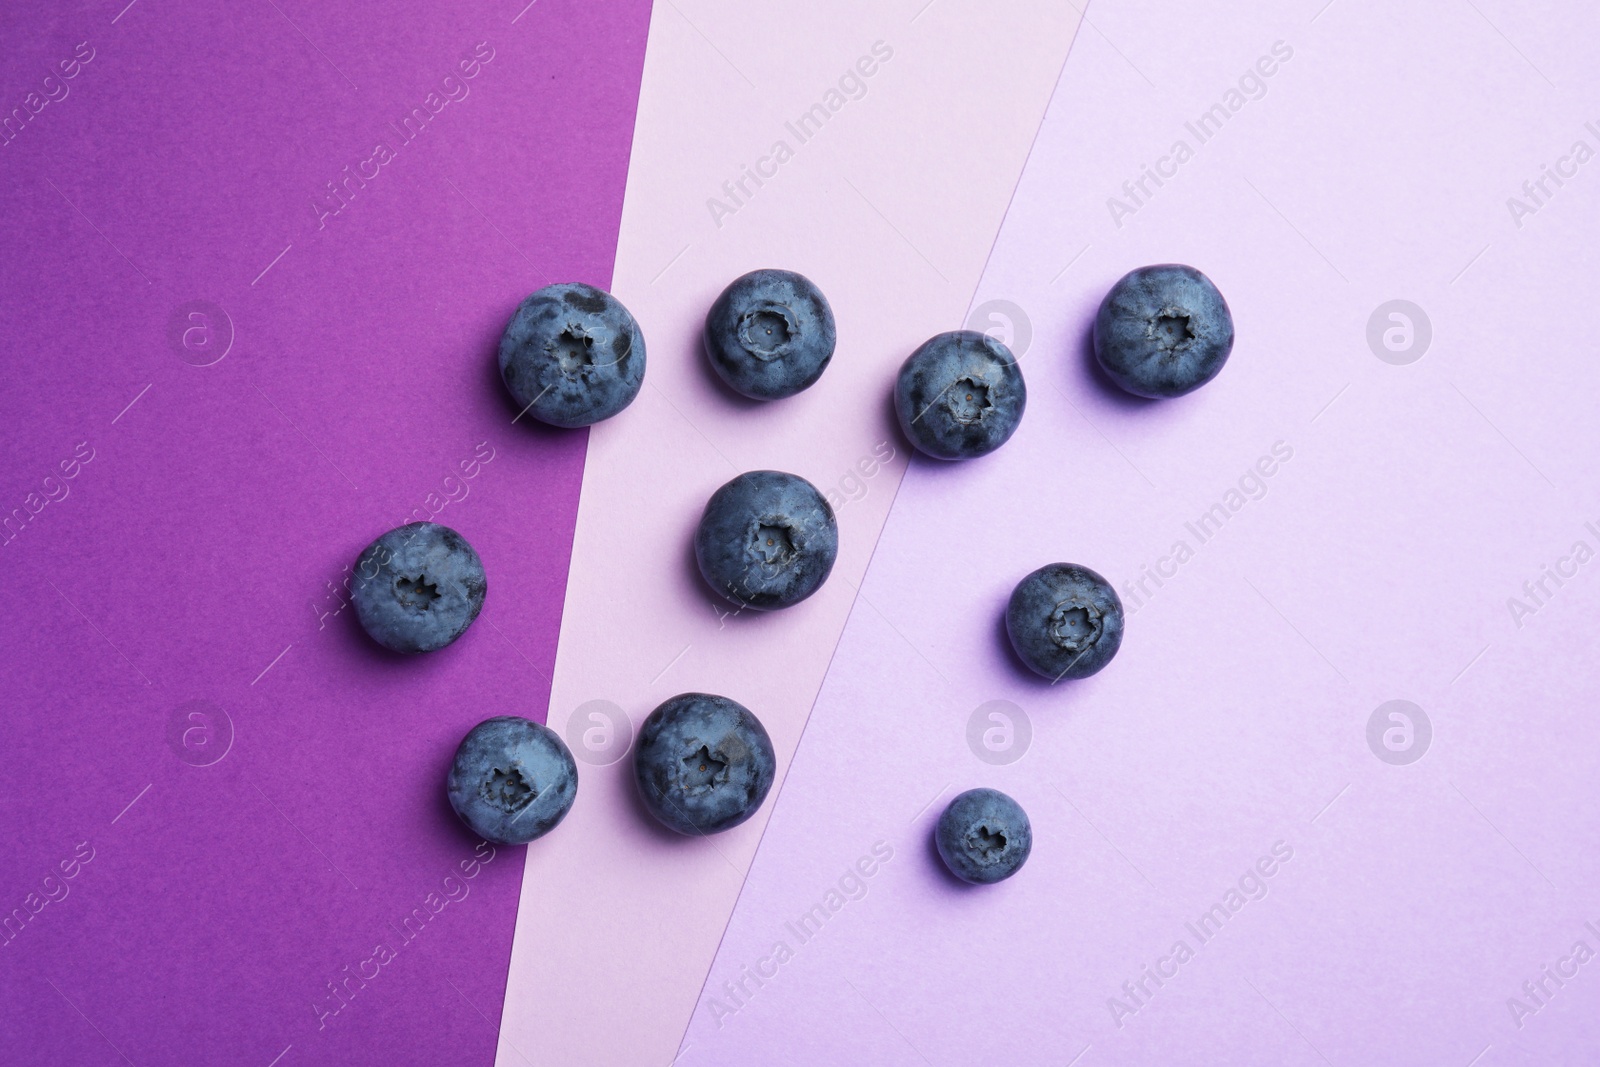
(873,149)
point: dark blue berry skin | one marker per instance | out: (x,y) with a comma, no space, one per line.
(418,587)
(1163,331)
(770,334)
(767,540)
(572,355)
(984,836)
(512,780)
(703,763)
(1065,621)
(960,395)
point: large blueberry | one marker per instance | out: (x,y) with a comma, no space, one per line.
(770,334)
(960,395)
(572,355)
(767,540)
(984,836)
(703,763)
(1163,331)
(418,587)
(1065,621)
(512,780)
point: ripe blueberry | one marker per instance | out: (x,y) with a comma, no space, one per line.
(703,763)
(960,395)
(1065,621)
(1163,331)
(418,587)
(984,836)
(767,540)
(512,780)
(770,334)
(572,355)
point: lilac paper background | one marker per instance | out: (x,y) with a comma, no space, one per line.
(195,555)
(1377,565)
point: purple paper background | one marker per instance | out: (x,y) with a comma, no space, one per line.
(195,556)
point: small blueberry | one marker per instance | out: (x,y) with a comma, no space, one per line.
(1163,331)
(512,780)
(572,355)
(984,836)
(770,334)
(960,395)
(703,763)
(418,587)
(766,540)
(1065,621)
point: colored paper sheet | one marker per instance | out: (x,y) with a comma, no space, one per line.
(872,148)
(256,260)
(1245,850)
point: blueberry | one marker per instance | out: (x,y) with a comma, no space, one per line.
(770,334)
(512,780)
(572,355)
(960,395)
(1163,331)
(984,836)
(1065,621)
(767,540)
(703,763)
(418,587)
